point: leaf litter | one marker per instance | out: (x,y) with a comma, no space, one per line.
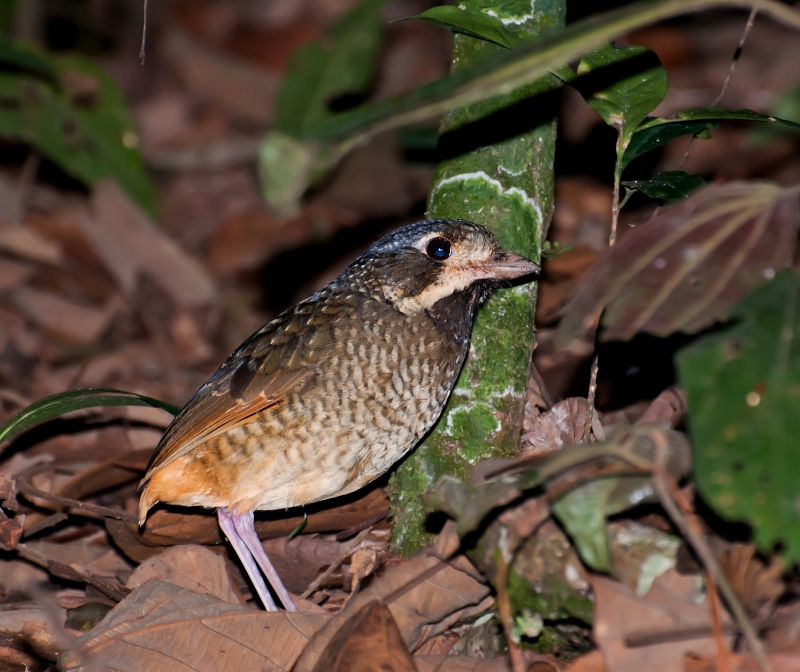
(156,317)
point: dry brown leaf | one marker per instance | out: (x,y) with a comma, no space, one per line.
(562,424)
(622,618)
(192,567)
(369,640)
(425,597)
(167,628)
(683,269)
(758,585)
(66,319)
(129,245)
(26,243)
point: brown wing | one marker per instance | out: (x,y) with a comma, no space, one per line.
(278,360)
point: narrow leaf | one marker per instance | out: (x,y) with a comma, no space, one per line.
(623,85)
(657,131)
(469,22)
(58,404)
(671,185)
(742,386)
(685,268)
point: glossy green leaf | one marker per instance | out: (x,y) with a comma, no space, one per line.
(658,131)
(623,85)
(58,404)
(671,185)
(743,388)
(90,138)
(469,22)
(342,62)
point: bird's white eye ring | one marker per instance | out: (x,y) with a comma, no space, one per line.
(439,248)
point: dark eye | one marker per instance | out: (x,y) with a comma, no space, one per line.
(439,249)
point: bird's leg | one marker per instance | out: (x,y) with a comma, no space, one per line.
(226,523)
(245,527)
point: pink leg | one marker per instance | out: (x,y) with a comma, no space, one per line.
(247,532)
(228,528)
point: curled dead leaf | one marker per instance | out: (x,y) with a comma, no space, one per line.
(757,584)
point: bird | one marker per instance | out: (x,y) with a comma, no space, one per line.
(330,394)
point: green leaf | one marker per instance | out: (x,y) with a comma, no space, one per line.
(58,404)
(671,185)
(469,22)
(582,511)
(623,85)
(658,131)
(90,137)
(743,387)
(19,57)
(342,62)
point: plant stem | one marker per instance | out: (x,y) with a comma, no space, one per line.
(612,239)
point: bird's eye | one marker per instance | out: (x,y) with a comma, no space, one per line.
(439,249)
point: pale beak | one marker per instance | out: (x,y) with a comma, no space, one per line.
(507,267)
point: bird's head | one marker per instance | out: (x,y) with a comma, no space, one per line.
(419,265)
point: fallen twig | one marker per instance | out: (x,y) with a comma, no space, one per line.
(84,508)
(506,616)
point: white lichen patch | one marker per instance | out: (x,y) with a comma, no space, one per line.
(526,200)
(505,170)
(511,20)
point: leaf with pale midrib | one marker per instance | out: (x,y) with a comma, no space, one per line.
(683,269)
